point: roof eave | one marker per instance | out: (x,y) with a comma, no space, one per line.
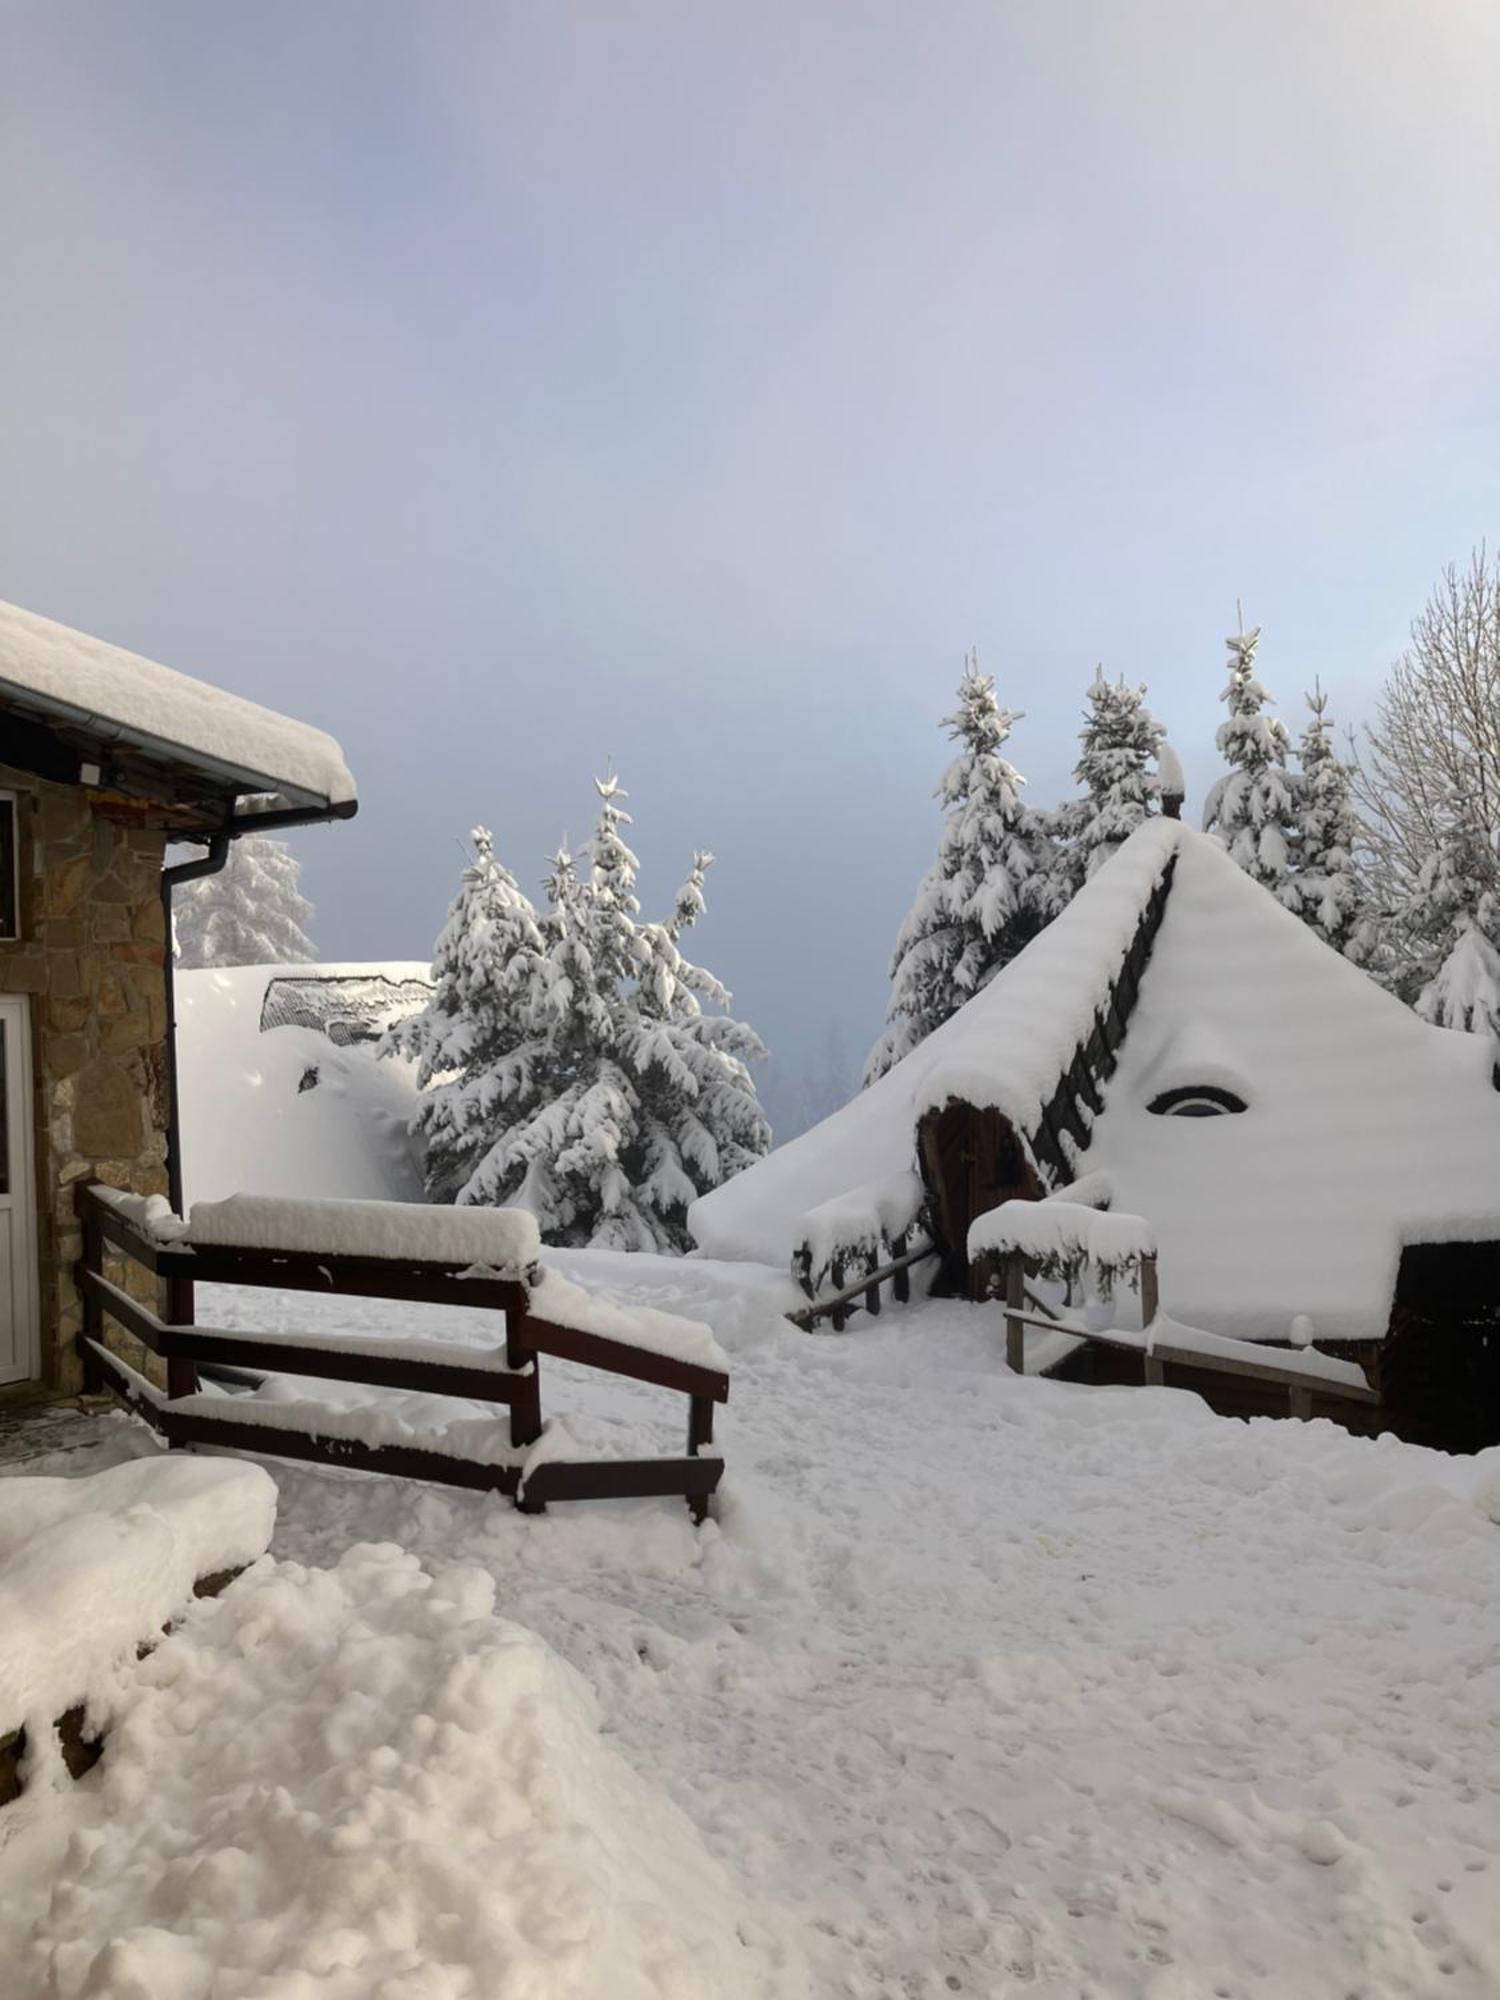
(225,779)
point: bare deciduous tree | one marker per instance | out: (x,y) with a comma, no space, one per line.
(1430,765)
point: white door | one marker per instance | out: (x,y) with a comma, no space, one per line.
(18,1314)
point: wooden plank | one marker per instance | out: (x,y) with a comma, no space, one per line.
(103,1296)
(594,1350)
(274,1441)
(428,1283)
(1215,1364)
(807,1316)
(285,1357)
(623,1479)
(1259,1371)
(282,1357)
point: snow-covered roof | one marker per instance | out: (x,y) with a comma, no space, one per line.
(1365,1128)
(112,696)
(1006,1048)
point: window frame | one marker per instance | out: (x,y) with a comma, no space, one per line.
(1174,1103)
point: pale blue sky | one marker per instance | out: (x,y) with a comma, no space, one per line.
(510,388)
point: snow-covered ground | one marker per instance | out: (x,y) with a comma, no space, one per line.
(976,1685)
(285,1110)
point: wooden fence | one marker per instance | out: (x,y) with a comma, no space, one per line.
(1333,1382)
(221,1420)
(863,1289)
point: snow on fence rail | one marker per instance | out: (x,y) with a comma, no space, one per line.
(849,1246)
(470,1257)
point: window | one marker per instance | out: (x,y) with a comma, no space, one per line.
(1196,1100)
(10,908)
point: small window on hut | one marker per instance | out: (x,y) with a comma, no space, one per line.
(1196,1100)
(10,904)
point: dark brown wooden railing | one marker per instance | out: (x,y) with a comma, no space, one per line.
(863,1289)
(183,1346)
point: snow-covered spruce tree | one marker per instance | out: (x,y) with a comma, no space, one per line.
(1326,888)
(250,913)
(1253,808)
(477,1044)
(613,1098)
(981,901)
(1454,913)
(1120,741)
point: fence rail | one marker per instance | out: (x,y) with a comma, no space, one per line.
(185,1417)
(864,1290)
(1333,1382)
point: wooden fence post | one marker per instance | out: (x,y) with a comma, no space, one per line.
(1150,1294)
(1015,1297)
(1300,1400)
(93,1311)
(840,1312)
(901,1282)
(526,1398)
(182,1375)
(700,1433)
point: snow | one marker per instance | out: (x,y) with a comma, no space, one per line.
(503,1240)
(1007,1047)
(869,1220)
(1169,773)
(361,1780)
(556,1299)
(1066,1232)
(151,1214)
(182,715)
(92,1567)
(1365,1129)
(287,1112)
(976,1684)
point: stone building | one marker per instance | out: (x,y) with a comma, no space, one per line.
(106,759)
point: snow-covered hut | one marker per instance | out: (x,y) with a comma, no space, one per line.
(1304,1145)
(105,758)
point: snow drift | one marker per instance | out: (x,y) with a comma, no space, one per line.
(288,1111)
(362,1781)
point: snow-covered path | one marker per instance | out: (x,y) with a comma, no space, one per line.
(1014,1687)
(985,1687)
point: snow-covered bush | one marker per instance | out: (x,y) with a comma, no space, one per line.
(250,913)
(980,902)
(568,1063)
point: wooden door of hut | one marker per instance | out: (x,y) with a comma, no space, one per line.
(972,1159)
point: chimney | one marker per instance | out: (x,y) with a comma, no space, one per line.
(1173,784)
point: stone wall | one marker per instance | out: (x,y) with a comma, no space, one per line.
(90,956)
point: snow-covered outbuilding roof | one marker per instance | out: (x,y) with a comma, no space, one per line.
(1364,1129)
(149,725)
